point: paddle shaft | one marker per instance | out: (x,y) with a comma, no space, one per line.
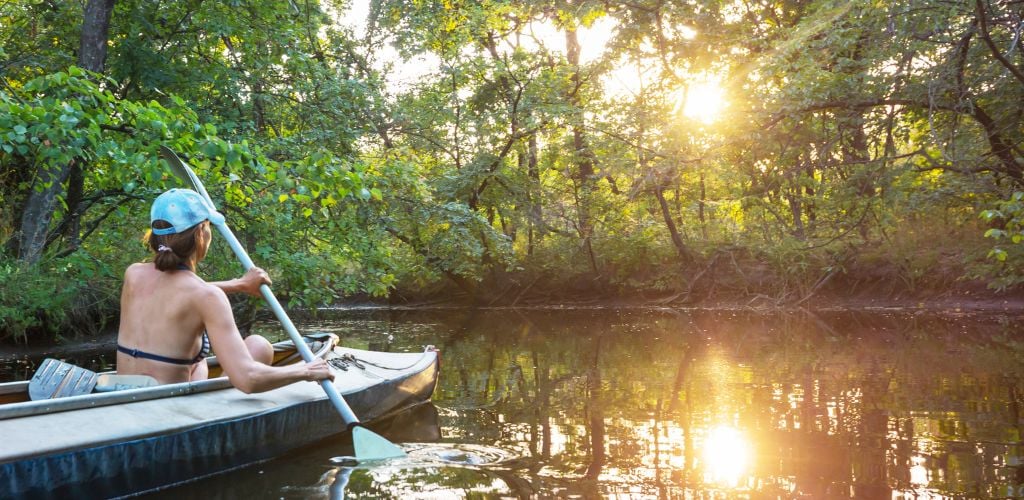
(332,393)
(368,445)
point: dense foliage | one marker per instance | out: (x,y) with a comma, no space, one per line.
(512,151)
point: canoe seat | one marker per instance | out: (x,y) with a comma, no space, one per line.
(112,382)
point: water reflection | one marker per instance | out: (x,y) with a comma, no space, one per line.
(606,404)
(676,404)
(427,464)
(726,456)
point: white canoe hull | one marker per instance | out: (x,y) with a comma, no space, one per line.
(202,428)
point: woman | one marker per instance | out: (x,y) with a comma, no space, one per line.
(170,316)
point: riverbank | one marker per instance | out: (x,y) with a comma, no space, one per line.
(17,361)
(948,306)
(968,299)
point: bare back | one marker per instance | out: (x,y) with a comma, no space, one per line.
(160,315)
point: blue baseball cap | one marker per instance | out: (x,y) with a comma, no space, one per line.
(182,208)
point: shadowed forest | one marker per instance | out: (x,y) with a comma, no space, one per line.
(768,154)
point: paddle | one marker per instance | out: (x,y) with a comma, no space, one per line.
(58,379)
(368,444)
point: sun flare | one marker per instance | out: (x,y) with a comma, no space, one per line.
(704,102)
(726,456)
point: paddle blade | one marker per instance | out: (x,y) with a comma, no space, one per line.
(372,446)
(57,379)
(183,172)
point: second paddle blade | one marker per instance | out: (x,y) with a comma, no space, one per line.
(371,446)
(57,379)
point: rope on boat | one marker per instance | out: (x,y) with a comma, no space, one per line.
(343,361)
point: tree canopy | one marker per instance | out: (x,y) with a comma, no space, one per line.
(510,151)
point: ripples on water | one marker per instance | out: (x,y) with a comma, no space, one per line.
(672,404)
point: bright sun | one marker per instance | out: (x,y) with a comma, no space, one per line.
(704,102)
(726,455)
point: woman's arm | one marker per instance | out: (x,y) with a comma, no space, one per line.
(245,373)
(249,282)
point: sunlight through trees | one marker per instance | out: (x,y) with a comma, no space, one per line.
(503,152)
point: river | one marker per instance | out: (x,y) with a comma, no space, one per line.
(659,403)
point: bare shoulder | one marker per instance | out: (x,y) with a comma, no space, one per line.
(212,303)
(206,293)
(137,269)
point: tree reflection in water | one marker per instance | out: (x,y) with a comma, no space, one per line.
(666,405)
(712,404)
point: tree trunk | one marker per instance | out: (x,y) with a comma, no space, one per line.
(536,209)
(999,146)
(39,208)
(92,49)
(42,201)
(811,214)
(92,55)
(796,210)
(584,157)
(677,240)
(72,229)
(700,207)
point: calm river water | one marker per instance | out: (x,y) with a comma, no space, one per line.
(679,404)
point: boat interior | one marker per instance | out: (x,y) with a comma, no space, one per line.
(285,353)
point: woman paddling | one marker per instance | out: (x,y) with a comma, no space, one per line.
(170,316)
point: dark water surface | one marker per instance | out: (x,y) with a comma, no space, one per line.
(677,404)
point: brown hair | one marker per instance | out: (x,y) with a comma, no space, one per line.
(178,249)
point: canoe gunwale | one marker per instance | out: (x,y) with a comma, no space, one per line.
(95,400)
(14,387)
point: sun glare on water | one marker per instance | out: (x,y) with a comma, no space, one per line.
(726,456)
(704,102)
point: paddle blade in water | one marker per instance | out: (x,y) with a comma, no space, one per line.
(372,446)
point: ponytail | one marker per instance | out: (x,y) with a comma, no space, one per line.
(171,251)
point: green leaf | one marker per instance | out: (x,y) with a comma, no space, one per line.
(211,149)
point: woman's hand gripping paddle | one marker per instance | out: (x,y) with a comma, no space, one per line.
(368,444)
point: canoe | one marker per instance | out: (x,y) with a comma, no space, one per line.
(137,440)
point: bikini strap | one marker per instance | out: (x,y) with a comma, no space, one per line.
(135,353)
